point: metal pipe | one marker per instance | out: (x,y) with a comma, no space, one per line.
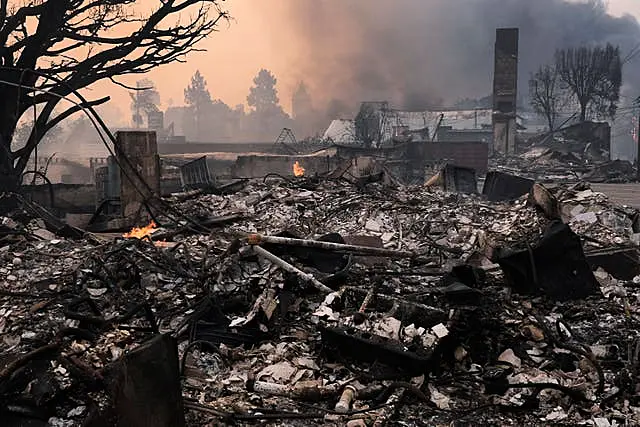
(344,404)
(257,239)
(291,269)
(302,390)
(360,316)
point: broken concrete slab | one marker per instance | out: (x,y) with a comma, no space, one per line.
(43,234)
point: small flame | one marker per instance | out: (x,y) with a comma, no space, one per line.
(141,232)
(297,169)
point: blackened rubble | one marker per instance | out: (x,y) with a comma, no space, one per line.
(429,332)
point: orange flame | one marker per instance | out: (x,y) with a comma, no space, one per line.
(297,169)
(141,232)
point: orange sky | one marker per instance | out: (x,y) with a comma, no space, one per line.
(234,56)
(258,36)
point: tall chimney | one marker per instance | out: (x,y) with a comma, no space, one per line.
(505,90)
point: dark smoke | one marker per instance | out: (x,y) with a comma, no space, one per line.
(416,53)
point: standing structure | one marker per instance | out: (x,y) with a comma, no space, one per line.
(137,152)
(505,90)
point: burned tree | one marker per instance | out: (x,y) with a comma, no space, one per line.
(263,95)
(266,116)
(547,96)
(76,43)
(593,76)
(198,99)
(145,99)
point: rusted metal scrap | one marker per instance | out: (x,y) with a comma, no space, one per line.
(500,186)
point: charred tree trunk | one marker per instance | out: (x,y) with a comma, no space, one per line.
(10,182)
(9,177)
(583,112)
(551,122)
(14,101)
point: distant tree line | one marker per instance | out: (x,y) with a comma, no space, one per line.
(208,119)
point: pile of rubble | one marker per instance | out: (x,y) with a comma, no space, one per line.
(577,152)
(551,165)
(303,302)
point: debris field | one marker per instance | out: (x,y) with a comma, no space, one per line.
(317,302)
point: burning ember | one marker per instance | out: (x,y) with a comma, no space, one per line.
(142,232)
(297,169)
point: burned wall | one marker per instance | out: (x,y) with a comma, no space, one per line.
(410,162)
(464,135)
(474,155)
(596,138)
(63,198)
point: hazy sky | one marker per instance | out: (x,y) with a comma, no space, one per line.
(620,7)
(260,35)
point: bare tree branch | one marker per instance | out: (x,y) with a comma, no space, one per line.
(546,94)
(81,42)
(594,77)
(72,110)
(135,88)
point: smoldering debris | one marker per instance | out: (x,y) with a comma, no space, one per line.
(327,303)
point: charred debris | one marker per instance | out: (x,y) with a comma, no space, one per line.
(318,301)
(351,286)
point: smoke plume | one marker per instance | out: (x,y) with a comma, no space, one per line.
(416,53)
